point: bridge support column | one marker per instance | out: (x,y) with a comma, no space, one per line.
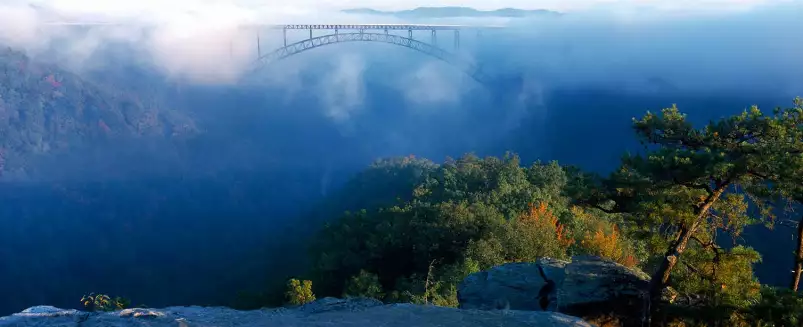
(310,34)
(457,39)
(434,37)
(284,31)
(410,34)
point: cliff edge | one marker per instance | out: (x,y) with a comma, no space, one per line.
(355,312)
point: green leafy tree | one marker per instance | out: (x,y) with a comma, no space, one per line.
(364,284)
(437,287)
(468,212)
(299,292)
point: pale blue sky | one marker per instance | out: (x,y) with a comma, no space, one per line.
(302,7)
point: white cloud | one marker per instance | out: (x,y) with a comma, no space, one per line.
(342,88)
(697,43)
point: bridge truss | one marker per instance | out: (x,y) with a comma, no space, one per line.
(383,27)
(342,33)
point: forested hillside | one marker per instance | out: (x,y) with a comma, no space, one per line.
(664,210)
(44,109)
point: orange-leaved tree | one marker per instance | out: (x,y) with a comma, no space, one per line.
(609,246)
(538,233)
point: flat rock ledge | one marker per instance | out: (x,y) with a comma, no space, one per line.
(329,312)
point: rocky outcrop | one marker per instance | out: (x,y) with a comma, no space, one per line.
(587,287)
(515,286)
(604,291)
(325,312)
(545,293)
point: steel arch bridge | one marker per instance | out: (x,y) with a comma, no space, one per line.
(358,33)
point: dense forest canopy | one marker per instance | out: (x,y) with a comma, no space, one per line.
(662,211)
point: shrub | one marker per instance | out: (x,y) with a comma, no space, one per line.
(364,284)
(299,292)
(103,302)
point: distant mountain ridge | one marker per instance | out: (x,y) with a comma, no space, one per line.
(45,109)
(451,12)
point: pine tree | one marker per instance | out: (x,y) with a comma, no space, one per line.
(690,182)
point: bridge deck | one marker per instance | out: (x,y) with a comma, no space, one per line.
(405,27)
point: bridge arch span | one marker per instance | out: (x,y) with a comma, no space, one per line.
(289,50)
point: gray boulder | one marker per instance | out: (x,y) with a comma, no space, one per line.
(514,286)
(328,312)
(588,287)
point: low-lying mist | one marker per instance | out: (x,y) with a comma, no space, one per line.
(169,220)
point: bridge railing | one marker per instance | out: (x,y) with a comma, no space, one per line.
(403,27)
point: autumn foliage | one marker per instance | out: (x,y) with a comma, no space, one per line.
(598,236)
(542,218)
(608,245)
(603,238)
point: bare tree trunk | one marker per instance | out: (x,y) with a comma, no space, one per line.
(660,278)
(428,281)
(798,269)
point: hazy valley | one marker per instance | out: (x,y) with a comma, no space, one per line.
(123,173)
